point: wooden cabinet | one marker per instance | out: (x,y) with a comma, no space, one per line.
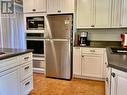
(34,6)
(77,61)
(102,13)
(60,6)
(16,75)
(123,13)
(92,62)
(84,13)
(93,13)
(88,62)
(118,82)
(92,65)
(10,82)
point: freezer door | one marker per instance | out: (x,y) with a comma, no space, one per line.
(58,59)
(58,26)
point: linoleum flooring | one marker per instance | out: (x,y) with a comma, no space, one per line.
(49,86)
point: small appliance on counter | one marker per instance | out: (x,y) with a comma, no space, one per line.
(124,40)
(83,38)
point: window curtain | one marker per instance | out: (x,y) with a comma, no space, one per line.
(12,33)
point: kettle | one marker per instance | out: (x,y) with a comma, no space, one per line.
(124,40)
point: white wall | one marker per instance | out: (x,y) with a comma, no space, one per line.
(104,34)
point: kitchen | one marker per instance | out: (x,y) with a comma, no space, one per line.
(99,23)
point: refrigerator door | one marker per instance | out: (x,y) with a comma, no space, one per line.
(58,26)
(58,58)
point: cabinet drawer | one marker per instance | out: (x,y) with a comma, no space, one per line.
(92,50)
(8,63)
(26,86)
(26,57)
(26,70)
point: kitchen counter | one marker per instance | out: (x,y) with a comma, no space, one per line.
(12,52)
(101,44)
(117,60)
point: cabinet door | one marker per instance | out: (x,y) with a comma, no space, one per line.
(118,83)
(10,83)
(40,5)
(53,6)
(92,65)
(67,6)
(84,13)
(102,13)
(115,18)
(28,6)
(123,13)
(77,61)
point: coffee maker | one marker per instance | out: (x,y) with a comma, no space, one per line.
(83,38)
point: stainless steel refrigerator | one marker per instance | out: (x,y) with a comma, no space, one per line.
(58,45)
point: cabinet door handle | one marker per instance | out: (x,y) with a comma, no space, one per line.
(26,58)
(34,10)
(26,68)
(92,25)
(82,55)
(113,75)
(27,83)
(92,50)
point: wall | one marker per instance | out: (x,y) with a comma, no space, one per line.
(103,34)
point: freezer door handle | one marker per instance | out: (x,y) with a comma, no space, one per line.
(57,40)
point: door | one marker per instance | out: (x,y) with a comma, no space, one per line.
(118,82)
(53,6)
(28,6)
(10,82)
(41,5)
(58,59)
(84,13)
(91,65)
(102,13)
(67,6)
(59,26)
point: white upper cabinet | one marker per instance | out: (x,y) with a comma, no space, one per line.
(67,6)
(60,6)
(102,13)
(28,6)
(34,6)
(123,13)
(53,6)
(84,13)
(93,13)
(116,10)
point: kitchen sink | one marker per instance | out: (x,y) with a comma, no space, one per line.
(119,50)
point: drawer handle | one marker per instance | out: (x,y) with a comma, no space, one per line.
(27,83)
(92,50)
(26,58)
(26,68)
(59,11)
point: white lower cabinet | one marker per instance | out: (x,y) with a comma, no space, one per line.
(10,82)
(92,65)
(77,61)
(118,82)
(88,62)
(16,75)
(26,86)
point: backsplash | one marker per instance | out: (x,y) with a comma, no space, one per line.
(103,34)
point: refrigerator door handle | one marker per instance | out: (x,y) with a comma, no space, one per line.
(57,40)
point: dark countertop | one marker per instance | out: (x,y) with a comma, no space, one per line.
(12,52)
(101,44)
(117,61)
